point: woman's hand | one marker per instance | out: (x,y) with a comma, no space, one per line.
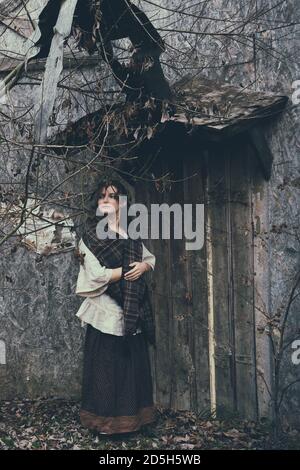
(139,268)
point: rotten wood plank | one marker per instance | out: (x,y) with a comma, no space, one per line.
(184,370)
(242,279)
(220,229)
(194,193)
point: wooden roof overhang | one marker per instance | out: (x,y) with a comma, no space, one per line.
(203,109)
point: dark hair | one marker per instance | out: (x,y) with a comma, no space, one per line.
(105,183)
(121,190)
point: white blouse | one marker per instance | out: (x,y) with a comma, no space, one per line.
(99,309)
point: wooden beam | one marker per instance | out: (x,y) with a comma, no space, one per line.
(54,65)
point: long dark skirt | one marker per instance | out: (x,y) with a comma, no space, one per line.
(117,394)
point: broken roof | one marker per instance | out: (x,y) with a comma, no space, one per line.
(216,110)
(202,107)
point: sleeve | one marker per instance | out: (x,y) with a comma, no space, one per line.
(148,257)
(93,278)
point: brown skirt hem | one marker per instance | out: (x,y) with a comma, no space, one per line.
(118,424)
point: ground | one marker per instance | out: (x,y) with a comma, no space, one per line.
(53,423)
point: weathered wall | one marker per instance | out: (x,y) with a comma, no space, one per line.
(262,55)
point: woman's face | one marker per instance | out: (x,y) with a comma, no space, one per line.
(108,202)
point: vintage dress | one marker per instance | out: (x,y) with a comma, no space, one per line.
(117,393)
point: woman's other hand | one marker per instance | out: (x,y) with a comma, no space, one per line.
(139,267)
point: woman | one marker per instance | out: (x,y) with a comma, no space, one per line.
(117,384)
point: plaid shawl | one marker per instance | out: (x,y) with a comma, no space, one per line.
(132,296)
